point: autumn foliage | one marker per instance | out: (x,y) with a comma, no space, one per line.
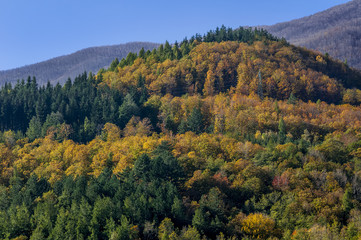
(179,143)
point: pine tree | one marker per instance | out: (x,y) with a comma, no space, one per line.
(53,121)
(40,109)
(347,200)
(169,124)
(34,129)
(277,108)
(176,52)
(168,53)
(195,121)
(114,64)
(142,90)
(292,99)
(142,53)
(182,128)
(185,49)
(88,132)
(59,230)
(260,87)
(281,131)
(127,110)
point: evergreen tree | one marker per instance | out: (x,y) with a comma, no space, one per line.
(83,219)
(4,225)
(127,110)
(185,49)
(142,90)
(260,86)
(114,64)
(281,131)
(195,121)
(52,123)
(292,99)
(277,108)
(209,217)
(41,109)
(20,221)
(347,204)
(34,129)
(103,210)
(170,125)
(88,131)
(142,53)
(160,52)
(125,231)
(177,52)
(142,168)
(182,128)
(15,192)
(59,230)
(168,53)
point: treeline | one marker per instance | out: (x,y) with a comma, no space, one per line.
(272,69)
(233,140)
(210,68)
(77,110)
(179,50)
(80,110)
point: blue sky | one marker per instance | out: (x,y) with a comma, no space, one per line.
(36,30)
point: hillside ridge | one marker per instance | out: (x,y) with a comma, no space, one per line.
(335,31)
(59,69)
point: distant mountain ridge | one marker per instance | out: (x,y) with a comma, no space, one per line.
(336,31)
(59,69)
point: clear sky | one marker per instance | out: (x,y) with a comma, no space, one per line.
(35,30)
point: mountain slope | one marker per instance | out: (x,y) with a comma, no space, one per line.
(59,69)
(335,31)
(206,139)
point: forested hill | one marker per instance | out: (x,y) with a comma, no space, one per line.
(243,61)
(223,59)
(232,135)
(336,31)
(59,69)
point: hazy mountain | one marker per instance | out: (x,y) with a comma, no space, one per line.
(336,31)
(59,69)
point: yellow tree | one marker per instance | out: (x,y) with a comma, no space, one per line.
(258,226)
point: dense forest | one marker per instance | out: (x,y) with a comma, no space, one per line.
(232,135)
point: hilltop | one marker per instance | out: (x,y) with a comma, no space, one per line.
(209,65)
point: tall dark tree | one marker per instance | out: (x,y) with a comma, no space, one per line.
(195,121)
(34,129)
(281,131)
(128,109)
(114,64)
